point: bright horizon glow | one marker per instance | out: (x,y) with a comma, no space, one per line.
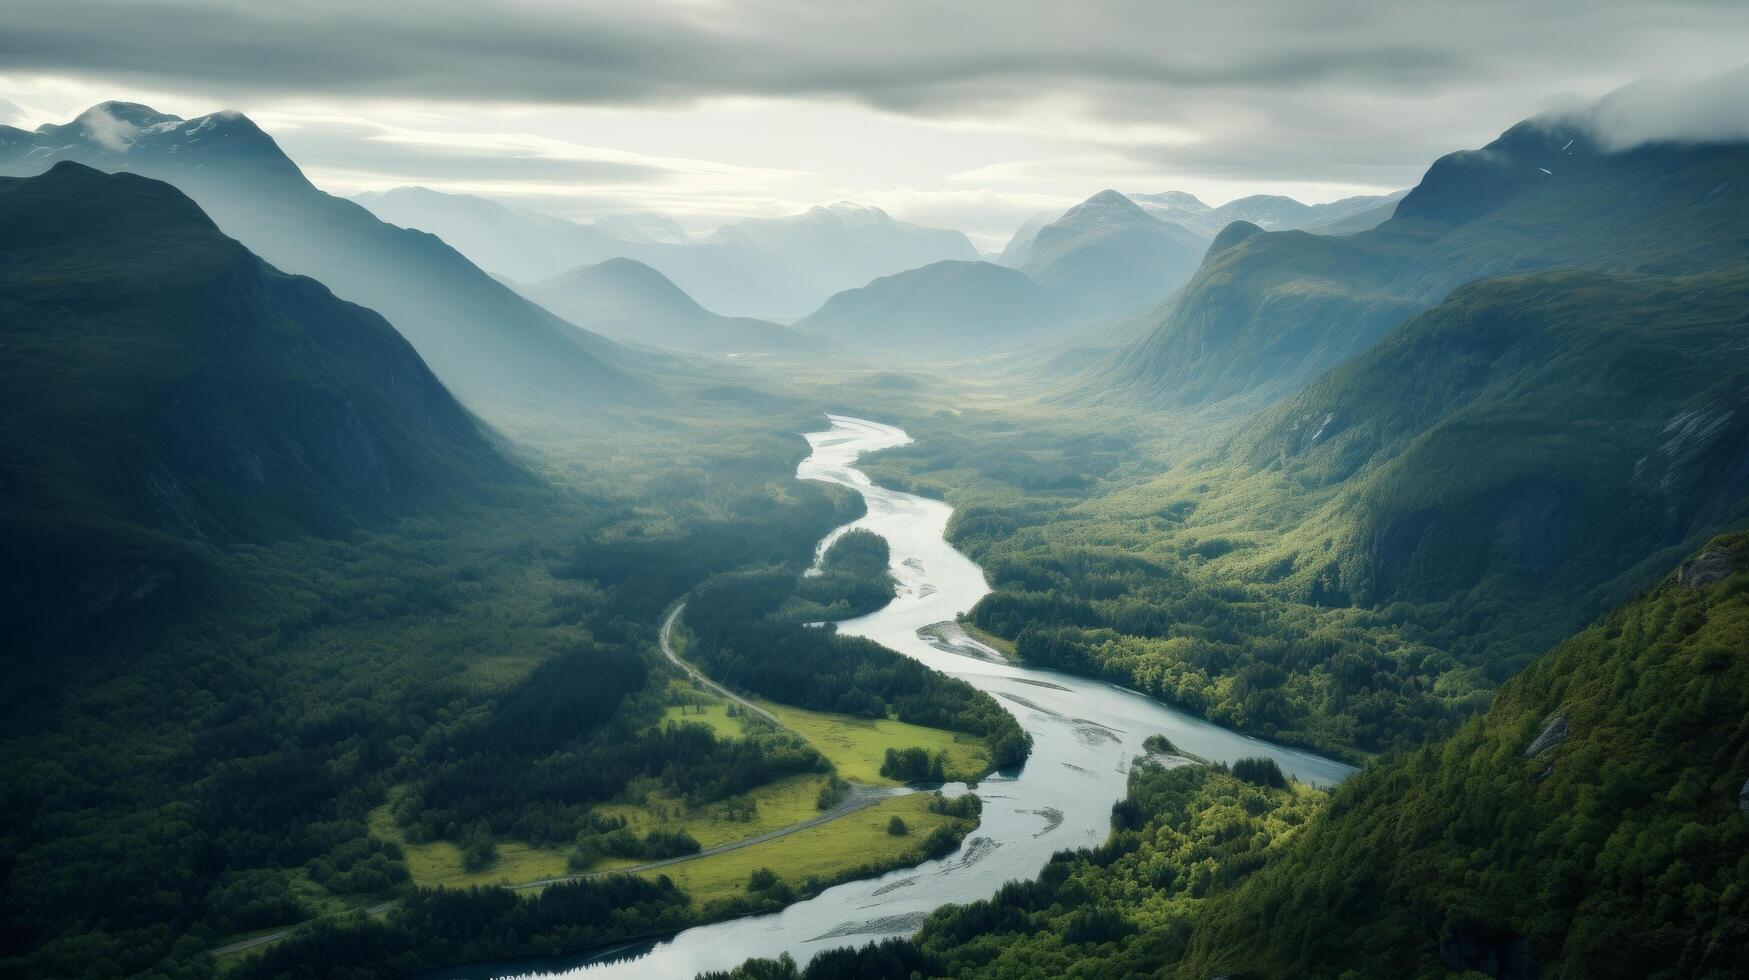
(974,117)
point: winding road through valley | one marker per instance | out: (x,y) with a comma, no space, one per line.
(667,638)
(1086,734)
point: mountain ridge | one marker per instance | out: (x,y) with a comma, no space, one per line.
(626,298)
(171,391)
(483,339)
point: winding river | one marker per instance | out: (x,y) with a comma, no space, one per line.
(1085,735)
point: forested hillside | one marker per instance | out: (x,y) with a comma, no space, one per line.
(1599,797)
(282,579)
(1602,796)
(741,640)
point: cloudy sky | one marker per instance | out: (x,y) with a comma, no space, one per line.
(971,114)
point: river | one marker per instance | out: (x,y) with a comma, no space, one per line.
(1085,734)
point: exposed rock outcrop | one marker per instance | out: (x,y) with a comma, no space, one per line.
(1708,567)
(1553,734)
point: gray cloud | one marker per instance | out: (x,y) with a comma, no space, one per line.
(1671,110)
(1364,92)
(361,147)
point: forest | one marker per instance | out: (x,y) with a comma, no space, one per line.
(1597,767)
(217,765)
(1183,836)
(742,639)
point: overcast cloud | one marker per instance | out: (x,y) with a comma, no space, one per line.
(977,109)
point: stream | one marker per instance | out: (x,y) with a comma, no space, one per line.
(1086,734)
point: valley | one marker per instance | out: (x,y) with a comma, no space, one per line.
(1060,798)
(600,563)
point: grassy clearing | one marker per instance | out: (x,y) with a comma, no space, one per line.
(852,846)
(775,805)
(857,746)
(440,862)
(497,673)
(715,715)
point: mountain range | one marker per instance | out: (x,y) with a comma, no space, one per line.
(772,268)
(1272,212)
(1269,311)
(485,341)
(1103,258)
(627,299)
(169,391)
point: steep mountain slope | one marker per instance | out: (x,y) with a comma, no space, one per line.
(1536,436)
(486,342)
(1372,557)
(1019,246)
(1603,797)
(1591,824)
(962,307)
(626,298)
(167,389)
(1109,255)
(1269,311)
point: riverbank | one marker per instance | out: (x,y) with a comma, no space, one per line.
(1086,735)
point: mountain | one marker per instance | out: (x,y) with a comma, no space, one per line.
(1267,211)
(626,298)
(1269,311)
(524,245)
(486,342)
(1110,255)
(1363,219)
(168,390)
(842,246)
(768,268)
(1539,437)
(1019,247)
(1271,212)
(963,307)
(1603,795)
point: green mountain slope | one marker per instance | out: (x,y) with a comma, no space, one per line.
(166,388)
(1268,312)
(1593,823)
(485,342)
(626,298)
(1360,565)
(1536,434)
